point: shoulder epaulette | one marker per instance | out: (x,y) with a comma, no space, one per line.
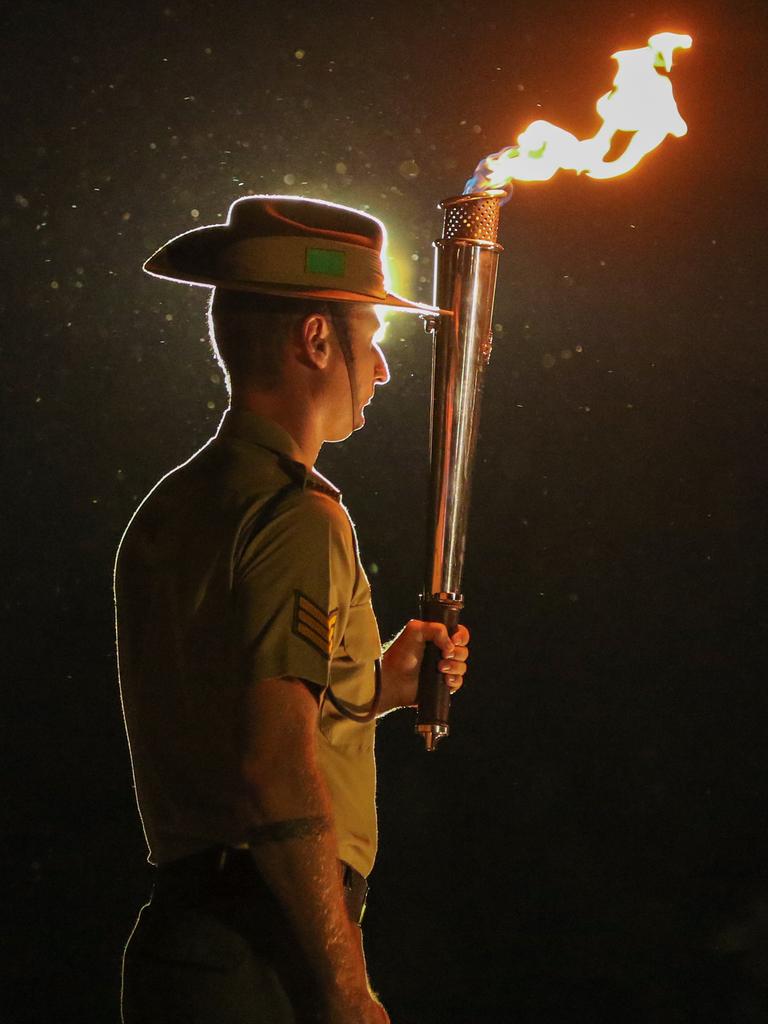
(316,482)
(308,478)
(295,471)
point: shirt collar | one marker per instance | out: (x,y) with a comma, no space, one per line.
(250,426)
(255,429)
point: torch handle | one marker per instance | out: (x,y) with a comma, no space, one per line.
(434,697)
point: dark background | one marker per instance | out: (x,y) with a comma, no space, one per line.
(590,843)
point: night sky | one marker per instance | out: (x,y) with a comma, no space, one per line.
(590,843)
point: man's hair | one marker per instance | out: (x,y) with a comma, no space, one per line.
(248,333)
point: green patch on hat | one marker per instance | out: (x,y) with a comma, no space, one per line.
(331,262)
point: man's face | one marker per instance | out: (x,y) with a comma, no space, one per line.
(365,329)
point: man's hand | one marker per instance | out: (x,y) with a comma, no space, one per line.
(402,661)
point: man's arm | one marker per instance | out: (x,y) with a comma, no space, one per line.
(403,656)
(294,845)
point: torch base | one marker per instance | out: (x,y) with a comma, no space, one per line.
(432,734)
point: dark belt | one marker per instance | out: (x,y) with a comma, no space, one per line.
(195,879)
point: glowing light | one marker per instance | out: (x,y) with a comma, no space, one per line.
(641,102)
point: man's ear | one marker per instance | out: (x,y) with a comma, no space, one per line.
(314,340)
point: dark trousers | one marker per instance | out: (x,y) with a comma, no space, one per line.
(213,947)
(190,968)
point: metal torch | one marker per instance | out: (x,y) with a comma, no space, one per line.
(466,260)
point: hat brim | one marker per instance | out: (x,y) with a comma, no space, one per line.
(190,258)
(160,268)
(390,299)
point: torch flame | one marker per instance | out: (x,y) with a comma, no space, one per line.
(641,102)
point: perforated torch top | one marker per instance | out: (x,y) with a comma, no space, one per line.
(474,217)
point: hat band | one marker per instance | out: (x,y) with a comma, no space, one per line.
(304,263)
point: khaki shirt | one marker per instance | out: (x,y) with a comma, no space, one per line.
(241,565)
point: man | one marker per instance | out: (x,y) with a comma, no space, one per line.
(250,661)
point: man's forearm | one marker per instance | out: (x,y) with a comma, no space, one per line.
(391,700)
(295,850)
(396,687)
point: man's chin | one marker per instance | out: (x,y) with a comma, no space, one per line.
(359,421)
(341,436)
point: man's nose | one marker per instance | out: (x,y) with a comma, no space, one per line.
(382,370)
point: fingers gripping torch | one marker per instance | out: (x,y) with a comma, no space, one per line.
(466,260)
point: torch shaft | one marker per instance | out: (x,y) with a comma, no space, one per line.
(466,280)
(466,262)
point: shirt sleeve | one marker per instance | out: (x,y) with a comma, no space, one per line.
(292,589)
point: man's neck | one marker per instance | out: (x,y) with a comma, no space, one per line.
(292,415)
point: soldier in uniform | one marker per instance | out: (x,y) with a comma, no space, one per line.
(251,668)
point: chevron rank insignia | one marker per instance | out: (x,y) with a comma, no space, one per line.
(314,625)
